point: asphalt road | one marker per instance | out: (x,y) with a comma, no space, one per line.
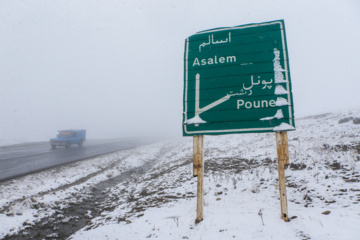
(20,160)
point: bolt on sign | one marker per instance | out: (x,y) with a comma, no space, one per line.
(237,80)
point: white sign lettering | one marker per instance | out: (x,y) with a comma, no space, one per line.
(214,60)
(255,104)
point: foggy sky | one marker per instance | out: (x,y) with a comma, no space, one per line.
(115,67)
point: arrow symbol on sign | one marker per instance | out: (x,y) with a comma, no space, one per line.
(199,110)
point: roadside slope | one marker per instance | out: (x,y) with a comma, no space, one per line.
(149,192)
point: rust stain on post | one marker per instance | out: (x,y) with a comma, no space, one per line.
(198,153)
(282,147)
(283,159)
(198,170)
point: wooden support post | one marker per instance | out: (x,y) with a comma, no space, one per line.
(283,159)
(198,170)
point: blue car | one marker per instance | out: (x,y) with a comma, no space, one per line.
(66,138)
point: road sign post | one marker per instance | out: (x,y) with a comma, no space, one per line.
(237,80)
(283,159)
(198,171)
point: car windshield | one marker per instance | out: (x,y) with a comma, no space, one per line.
(65,134)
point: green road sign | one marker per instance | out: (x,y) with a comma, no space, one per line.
(237,80)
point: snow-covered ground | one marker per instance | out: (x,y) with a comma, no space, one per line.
(149,192)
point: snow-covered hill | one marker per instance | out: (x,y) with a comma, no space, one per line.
(149,192)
